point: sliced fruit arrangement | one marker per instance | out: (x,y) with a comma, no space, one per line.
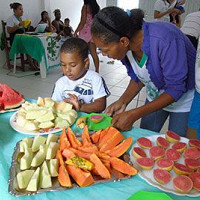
(183,184)
(162,176)
(195,177)
(181,169)
(156,152)
(172,160)
(144,143)
(37,162)
(179,146)
(85,159)
(145,163)
(138,152)
(192,153)
(194,143)
(173,155)
(172,137)
(164,163)
(9,98)
(162,142)
(45,114)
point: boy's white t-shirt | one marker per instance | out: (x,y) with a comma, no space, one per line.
(88,88)
(162,6)
(13,21)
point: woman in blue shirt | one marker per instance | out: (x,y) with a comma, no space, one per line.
(157,55)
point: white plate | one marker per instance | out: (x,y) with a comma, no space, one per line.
(10,110)
(15,126)
(147,175)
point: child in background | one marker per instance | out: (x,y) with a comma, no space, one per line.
(83,88)
(67,24)
(67,34)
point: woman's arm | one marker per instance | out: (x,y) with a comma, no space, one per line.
(14,28)
(119,106)
(125,120)
(158,15)
(83,19)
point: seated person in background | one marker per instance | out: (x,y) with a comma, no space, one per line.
(83,88)
(45,19)
(15,23)
(67,24)
(191,27)
(57,23)
(66,34)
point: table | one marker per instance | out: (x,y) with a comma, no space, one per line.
(112,190)
(43,47)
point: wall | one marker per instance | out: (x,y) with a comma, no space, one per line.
(70,9)
(32,10)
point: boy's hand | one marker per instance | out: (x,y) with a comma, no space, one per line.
(73,99)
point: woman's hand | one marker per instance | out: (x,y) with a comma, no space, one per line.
(124,121)
(22,23)
(115,108)
(73,99)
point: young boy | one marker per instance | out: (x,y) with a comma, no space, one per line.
(83,88)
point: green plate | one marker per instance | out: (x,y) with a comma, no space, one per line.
(101,125)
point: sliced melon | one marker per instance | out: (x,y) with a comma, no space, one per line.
(52,150)
(45,178)
(38,140)
(46,125)
(24,177)
(25,161)
(47,117)
(40,156)
(33,184)
(52,138)
(40,101)
(48,102)
(34,114)
(53,167)
(31,126)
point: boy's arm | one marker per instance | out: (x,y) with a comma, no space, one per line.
(98,106)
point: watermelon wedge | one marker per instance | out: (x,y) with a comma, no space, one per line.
(9,98)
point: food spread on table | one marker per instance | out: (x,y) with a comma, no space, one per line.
(9,98)
(44,115)
(95,121)
(171,163)
(67,161)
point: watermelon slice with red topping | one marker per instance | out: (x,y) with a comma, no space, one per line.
(9,98)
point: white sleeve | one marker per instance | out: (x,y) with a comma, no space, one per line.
(158,6)
(10,22)
(57,93)
(100,88)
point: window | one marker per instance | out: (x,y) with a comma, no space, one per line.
(128,4)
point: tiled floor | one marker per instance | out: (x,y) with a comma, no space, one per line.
(114,74)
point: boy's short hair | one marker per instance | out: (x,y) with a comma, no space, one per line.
(67,19)
(76,45)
